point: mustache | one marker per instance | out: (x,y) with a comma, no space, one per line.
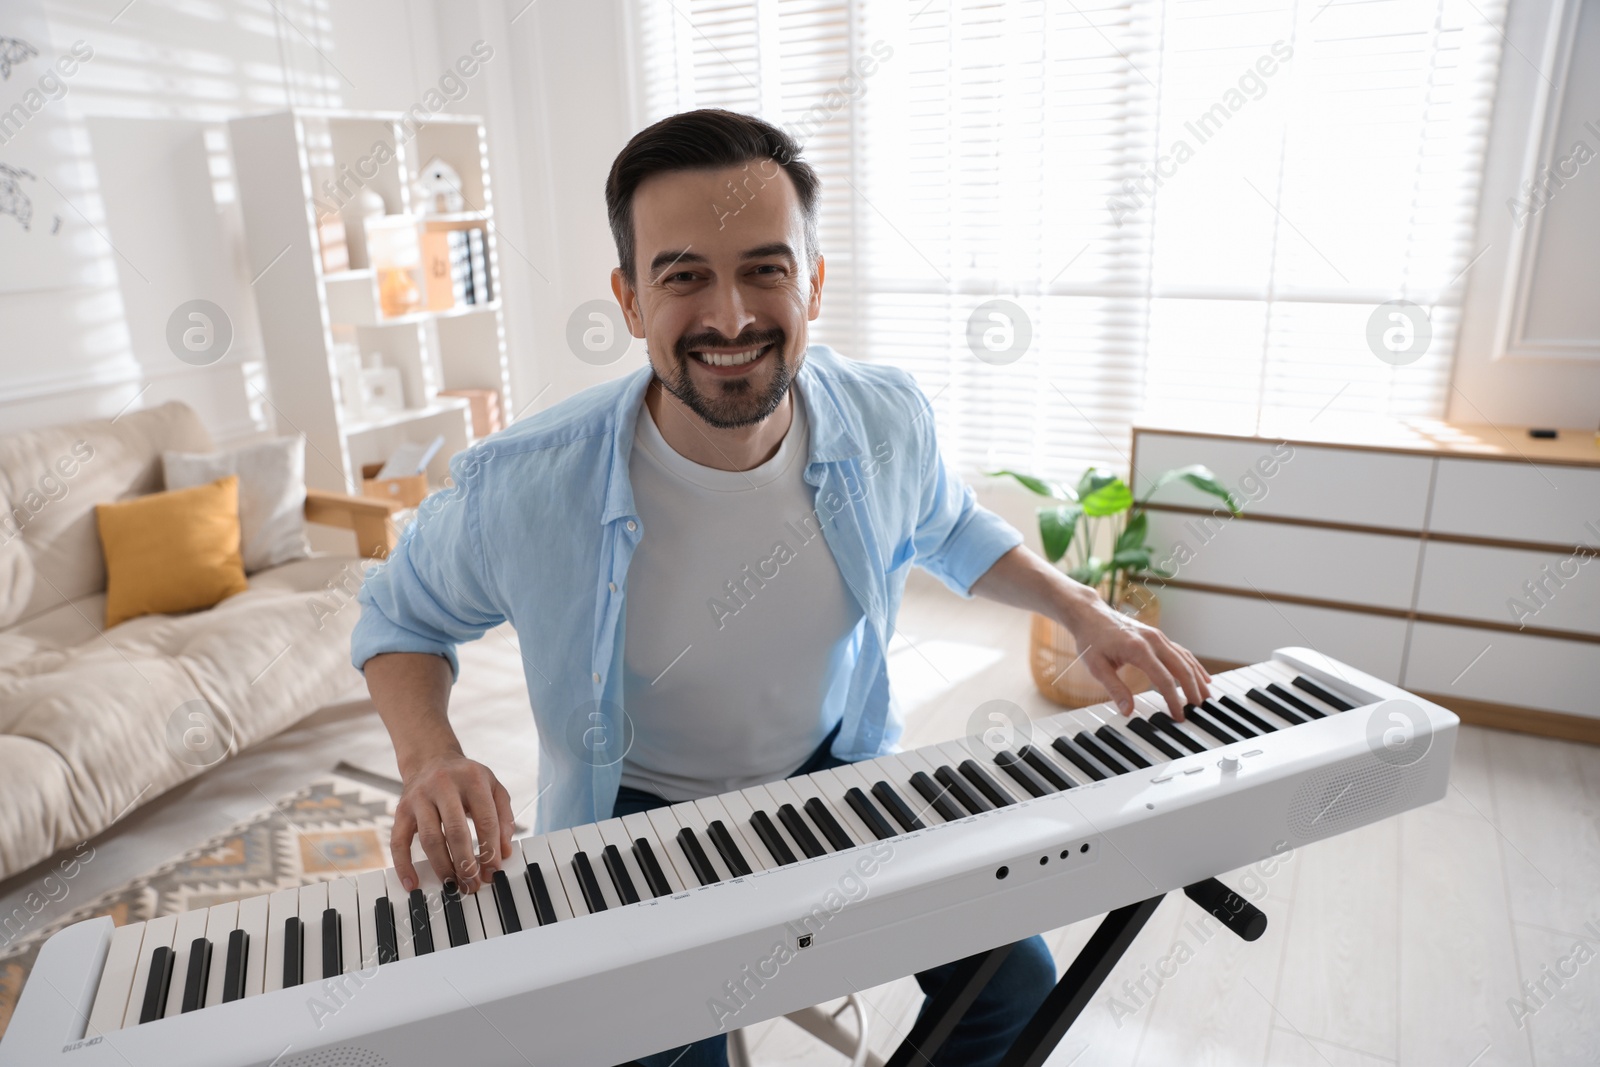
(748,339)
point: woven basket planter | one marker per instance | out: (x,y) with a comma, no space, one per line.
(1058,670)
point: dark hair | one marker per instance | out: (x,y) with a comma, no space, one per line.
(708,139)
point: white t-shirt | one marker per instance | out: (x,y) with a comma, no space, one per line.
(736,619)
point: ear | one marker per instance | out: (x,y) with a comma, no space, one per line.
(623,290)
(815,307)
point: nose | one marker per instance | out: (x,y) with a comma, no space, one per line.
(726,312)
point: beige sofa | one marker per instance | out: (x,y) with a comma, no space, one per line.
(94,722)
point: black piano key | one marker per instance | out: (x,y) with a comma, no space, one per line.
(506,901)
(421,926)
(895,805)
(588,883)
(1091,746)
(1022,774)
(1293,701)
(1246,714)
(868,814)
(699,862)
(1203,722)
(294,951)
(1046,767)
(1116,743)
(937,796)
(620,878)
(383,918)
(828,824)
(720,836)
(332,944)
(1293,718)
(968,797)
(654,876)
(984,782)
(234,966)
(772,839)
(1153,738)
(1306,685)
(1078,759)
(543,910)
(155,987)
(1165,723)
(455,920)
(800,831)
(194,984)
(1239,729)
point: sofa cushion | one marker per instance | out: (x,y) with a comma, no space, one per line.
(51,479)
(272,495)
(107,715)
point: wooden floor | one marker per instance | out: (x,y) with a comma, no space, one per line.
(1402,943)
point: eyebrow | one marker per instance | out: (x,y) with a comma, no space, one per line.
(664,260)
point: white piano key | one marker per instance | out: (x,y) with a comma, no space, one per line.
(957,751)
(900,767)
(668,851)
(1133,740)
(516,868)
(744,835)
(433,890)
(400,901)
(253,916)
(488,910)
(116,980)
(592,845)
(157,932)
(613,832)
(637,825)
(1146,705)
(537,850)
(191,924)
(474,917)
(343,896)
(833,787)
(313,902)
(689,817)
(790,791)
(281,906)
(761,798)
(370,887)
(221,921)
(563,846)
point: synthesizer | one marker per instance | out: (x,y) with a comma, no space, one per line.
(612,940)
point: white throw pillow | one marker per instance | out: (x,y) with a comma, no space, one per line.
(272,495)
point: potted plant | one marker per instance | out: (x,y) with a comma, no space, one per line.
(1077,523)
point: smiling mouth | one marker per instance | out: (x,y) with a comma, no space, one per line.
(731,358)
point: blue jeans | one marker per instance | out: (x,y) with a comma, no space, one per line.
(984,1033)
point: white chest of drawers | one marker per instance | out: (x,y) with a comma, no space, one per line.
(1459,562)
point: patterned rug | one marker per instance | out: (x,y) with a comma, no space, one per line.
(335,826)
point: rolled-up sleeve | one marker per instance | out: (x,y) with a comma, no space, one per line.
(957,539)
(431,594)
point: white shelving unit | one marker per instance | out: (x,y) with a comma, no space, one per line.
(293,166)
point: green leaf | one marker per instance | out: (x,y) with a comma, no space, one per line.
(1090,572)
(1037,485)
(1201,477)
(1137,559)
(1056,527)
(1095,478)
(1133,534)
(1111,498)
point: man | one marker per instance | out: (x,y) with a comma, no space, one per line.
(704,559)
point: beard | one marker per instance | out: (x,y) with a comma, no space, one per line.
(734,402)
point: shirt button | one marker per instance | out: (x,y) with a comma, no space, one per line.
(632,526)
(597,677)
(612,586)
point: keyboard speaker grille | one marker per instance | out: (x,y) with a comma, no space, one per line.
(1338,799)
(338,1056)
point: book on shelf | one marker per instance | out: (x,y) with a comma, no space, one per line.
(469,266)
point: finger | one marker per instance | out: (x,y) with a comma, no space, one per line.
(405,828)
(485,818)
(1155,670)
(1183,671)
(462,865)
(502,803)
(1101,670)
(431,837)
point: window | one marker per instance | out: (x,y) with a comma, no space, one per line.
(1197,206)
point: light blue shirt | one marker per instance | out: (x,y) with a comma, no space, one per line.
(539,527)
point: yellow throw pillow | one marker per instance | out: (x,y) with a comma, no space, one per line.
(172,552)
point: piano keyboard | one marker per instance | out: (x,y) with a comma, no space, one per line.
(1082,781)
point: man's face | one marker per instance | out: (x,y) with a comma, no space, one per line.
(723,292)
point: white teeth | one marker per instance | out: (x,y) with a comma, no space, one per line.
(729,359)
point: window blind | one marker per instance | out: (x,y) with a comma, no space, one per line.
(1197,206)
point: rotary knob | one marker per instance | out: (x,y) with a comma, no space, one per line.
(1229,764)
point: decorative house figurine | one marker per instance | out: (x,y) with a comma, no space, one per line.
(437,189)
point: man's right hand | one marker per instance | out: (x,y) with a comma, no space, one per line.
(445,797)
